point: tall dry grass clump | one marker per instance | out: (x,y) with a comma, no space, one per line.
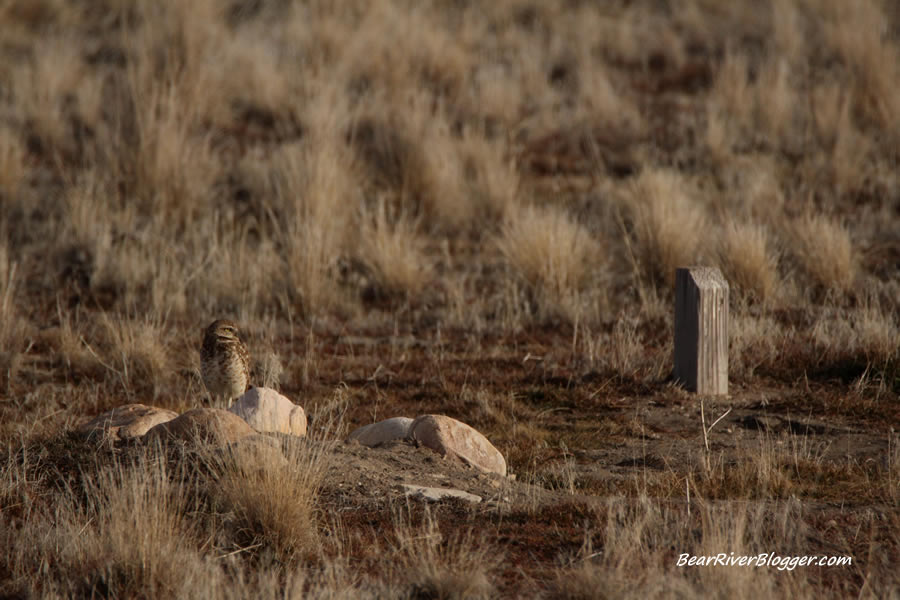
(667,225)
(747,260)
(161,148)
(126,533)
(851,149)
(12,164)
(317,200)
(552,254)
(640,531)
(871,332)
(394,250)
(136,353)
(862,38)
(272,489)
(12,325)
(431,564)
(822,247)
(753,341)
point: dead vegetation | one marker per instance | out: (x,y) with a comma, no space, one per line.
(470,209)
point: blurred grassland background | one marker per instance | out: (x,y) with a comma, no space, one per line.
(458,178)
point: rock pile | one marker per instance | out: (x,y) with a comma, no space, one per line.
(446,436)
(247,427)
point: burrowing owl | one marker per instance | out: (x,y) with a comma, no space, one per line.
(224,361)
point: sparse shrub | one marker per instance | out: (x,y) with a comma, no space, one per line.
(135,352)
(271,488)
(12,164)
(668,226)
(747,260)
(433,565)
(394,250)
(754,341)
(553,254)
(823,248)
(125,534)
(317,199)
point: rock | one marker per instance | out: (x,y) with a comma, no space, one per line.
(449,437)
(258,450)
(125,422)
(388,430)
(435,494)
(202,424)
(267,410)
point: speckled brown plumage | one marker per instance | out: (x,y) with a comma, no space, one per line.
(224,361)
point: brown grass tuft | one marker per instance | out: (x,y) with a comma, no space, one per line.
(125,533)
(317,198)
(667,225)
(747,260)
(823,248)
(394,250)
(271,488)
(136,353)
(553,255)
(12,164)
(862,39)
(12,326)
(433,565)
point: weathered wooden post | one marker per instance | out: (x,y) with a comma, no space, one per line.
(701,330)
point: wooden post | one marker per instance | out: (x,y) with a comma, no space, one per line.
(701,330)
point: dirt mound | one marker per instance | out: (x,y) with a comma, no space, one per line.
(361,477)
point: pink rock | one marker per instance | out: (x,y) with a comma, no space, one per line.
(450,437)
(124,422)
(202,424)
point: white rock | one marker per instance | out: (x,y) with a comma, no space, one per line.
(267,410)
(127,421)
(450,437)
(388,430)
(435,494)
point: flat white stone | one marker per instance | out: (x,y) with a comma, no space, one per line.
(388,430)
(435,494)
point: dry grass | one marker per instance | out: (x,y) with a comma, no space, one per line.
(823,248)
(635,528)
(459,208)
(394,250)
(433,565)
(860,37)
(317,200)
(136,353)
(125,532)
(748,261)
(554,256)
(667,225)
(272,494)
(12,328)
